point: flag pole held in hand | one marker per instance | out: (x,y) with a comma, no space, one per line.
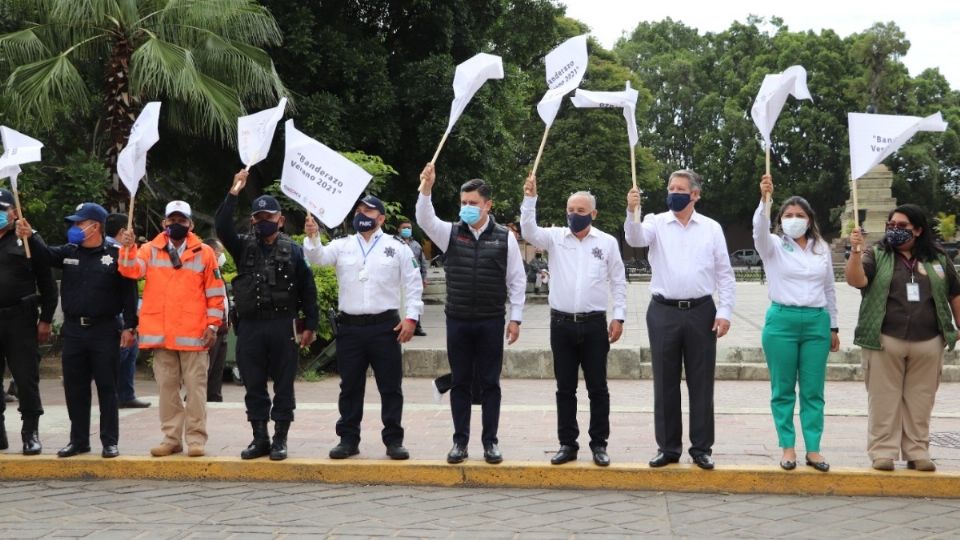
(17,150)
(132,161)
(565,67)
(467,79)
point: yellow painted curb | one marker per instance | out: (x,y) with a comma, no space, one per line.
(683,478)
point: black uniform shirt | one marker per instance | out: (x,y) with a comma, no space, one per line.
(21,277)
(92,285)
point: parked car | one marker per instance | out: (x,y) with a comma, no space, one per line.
(745,257)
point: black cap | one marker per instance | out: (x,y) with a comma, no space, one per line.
(265,203)
(88,210)
(372,202)
(6,199)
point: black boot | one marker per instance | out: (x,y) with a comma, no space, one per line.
(278,451)
(4,444)
(261,441)
(31,438)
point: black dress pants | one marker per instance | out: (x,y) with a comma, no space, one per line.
(475,346)
(267,349)
(581,345)
(18,350)
(91,353)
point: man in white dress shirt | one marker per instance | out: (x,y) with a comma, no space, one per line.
(688,256)
(484,268)
(585,264)
(373,269)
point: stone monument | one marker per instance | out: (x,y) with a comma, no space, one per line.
(875,201)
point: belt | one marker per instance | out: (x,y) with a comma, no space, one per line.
(272,315)
(90,321)
(368,320)
(682,304)
(578,317)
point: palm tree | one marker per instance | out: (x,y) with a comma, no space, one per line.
(202,58)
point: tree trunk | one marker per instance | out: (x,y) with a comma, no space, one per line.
(120,110)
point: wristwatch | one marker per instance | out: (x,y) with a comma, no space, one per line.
(212,327)
(517,322)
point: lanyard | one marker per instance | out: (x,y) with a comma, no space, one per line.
(367,252)
(910,264)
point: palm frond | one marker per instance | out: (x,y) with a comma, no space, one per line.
(239,20)
(44,85)
(156,68)
(215,105)
(244,66)
(22,47)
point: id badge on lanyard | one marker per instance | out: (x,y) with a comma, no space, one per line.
(913,288)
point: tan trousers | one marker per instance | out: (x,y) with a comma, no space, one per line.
(174,370)
(902,381)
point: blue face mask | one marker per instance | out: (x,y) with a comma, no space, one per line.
(578,222)
(76,235)
(406,233)
(677,201)
(4,220)
(470,214)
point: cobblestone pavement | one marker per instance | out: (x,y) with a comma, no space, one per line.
(138,509)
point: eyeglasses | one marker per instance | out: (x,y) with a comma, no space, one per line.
(898,225)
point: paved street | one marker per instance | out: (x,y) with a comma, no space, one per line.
(149,509)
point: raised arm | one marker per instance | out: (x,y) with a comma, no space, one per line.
(637,234)
(314,250)
(532,232)
(437,230)
(764,242)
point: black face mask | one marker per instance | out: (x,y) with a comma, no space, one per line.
(177,231)
(898,237)
(578,222)
(266,229)
(362,223)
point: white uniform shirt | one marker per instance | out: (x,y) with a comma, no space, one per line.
(797,276)
(439,233)
(687,261)
(581,271)
(388,264)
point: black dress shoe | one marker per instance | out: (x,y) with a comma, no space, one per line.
(821,466)
(110,451)
(788,465)
(457,454)
(72,449)
(566,454)
(344,450)
(662,460)
(397,451)
(703,461)
(600,456)
(492,455)
(419,332)
(133,404)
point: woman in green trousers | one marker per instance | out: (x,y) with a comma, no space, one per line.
(801,324)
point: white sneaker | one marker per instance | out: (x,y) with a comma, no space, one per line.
(437,395)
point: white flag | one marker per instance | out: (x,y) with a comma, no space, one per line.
(468,78)
(132,161)
(772,96)
(566,66)
(627,100)
(17,150)
(873,137)
(320,179)
(255,133)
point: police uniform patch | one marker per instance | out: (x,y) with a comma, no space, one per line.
(216,273)
(389,251)
(106,260)
(597,253)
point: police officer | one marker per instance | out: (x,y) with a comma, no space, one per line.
(273,286)
(406,234)
(372,267)
(25,284)
(93,296)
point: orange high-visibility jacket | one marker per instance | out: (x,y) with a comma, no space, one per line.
(178,304)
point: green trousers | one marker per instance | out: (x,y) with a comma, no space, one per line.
(796,342)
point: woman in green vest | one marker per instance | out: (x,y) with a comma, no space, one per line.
(910,299)
(800,328)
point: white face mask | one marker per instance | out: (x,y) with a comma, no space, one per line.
(221,260)
(794,227)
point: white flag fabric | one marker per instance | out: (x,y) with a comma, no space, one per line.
(773,95)
(468,78)
(132,161)
(320,179)
(627,100)
(566,65)
(873,137)
(17,150)
(255,133)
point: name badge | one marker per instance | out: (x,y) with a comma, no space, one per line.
(73,262)
(363,275)
(913,292)
(938,269)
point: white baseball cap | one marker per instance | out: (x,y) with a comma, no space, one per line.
(178,207)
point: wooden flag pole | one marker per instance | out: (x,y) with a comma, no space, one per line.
(130,214)
(767,198)
(436,155)
(16,200)
(856,207)
(543,142)
(633,173)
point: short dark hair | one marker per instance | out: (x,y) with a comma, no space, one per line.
(403,222)
(113,224)
(478,185)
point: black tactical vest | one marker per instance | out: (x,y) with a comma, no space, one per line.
(265,285)
(477,272)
